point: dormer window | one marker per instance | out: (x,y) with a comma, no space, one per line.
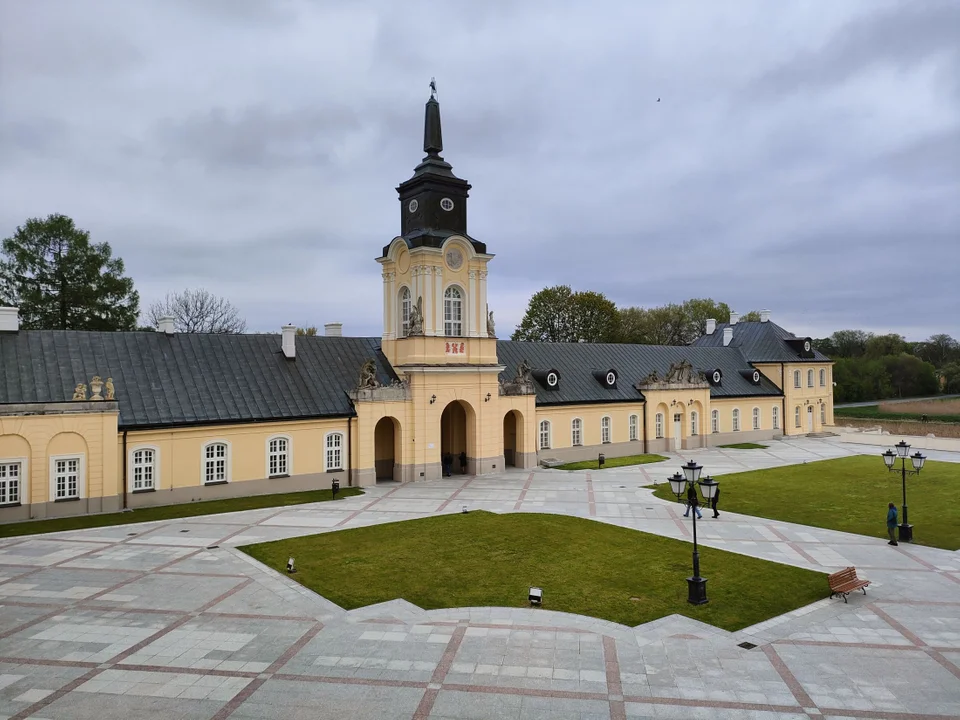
(550,379)
(607,378)
(716,377)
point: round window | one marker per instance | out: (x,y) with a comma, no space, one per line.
(412,207)
(756,376)
(611,379)
(446,204)
(552,379)
(716,376)
(806,346)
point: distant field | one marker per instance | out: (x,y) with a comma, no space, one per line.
(923,407)
(941,411)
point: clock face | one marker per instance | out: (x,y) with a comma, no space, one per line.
(446,204)
(412,207)
(454,259)
(806,346)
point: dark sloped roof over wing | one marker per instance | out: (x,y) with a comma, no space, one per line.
(760,342)
(576,363)
(188,379)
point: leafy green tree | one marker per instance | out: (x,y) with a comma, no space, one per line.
(910,376)
(752,316)
(60,281)
(850,343)
(950,373)
(698,311)
(878,346)
(595,318)
(557,314)
(826,346)
(939,349)
(308,331)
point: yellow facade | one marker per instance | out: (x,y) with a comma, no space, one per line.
(807,395)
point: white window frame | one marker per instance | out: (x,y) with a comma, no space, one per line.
(21,464)
(336,449)
(810,378)
(658,425)
(633,422)
(81,476)
(694,423)
(715,421)
(404,305)
(796,379)
(543,436)
(823,413)
(287,456)
(451,327)
(735,416)
(154,468)
(576,432)
(797,416)
(227,465)
(775,414)
(606,430)
(757,420)
(823,377)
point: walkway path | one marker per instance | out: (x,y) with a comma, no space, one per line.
(168,620)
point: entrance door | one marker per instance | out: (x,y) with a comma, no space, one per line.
(677,430)
(385,448)
(809,418)
(453,436)
(510,439)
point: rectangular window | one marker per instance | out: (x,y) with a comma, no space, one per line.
(736,421)
(10,473)
(776,417)
(796,378)
(143,470)
(605,430)
(756,418)
(66,479)
(659,425)
(715,421)
(823,414)
(576,432)
(634,431)
(334,452)
(823,377)
(544,435)
(796,416)
(694,430)
(215,465)
(809,378)
(277,457)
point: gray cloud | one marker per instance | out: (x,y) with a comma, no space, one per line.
(253,148)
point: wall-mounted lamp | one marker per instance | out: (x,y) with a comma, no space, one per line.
(487,398)
(690,402)
(433,399)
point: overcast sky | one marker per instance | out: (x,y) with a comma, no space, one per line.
(804,156)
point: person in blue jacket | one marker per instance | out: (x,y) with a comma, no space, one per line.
(892,523)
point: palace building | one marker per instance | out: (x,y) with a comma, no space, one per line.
(101,421)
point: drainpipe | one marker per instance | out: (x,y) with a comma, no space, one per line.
(646,448)
(124,469)
(350,451)
(783,401)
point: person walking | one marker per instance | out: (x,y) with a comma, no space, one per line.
(714,500)
(463,462)
(892,523)
(692,502)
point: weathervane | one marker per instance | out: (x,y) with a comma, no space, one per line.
(433,88)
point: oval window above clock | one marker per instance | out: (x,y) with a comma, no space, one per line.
(446,204)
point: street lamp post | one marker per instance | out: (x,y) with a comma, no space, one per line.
(889,458)
(696,585)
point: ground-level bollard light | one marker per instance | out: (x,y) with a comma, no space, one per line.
(464,509)
(601,460)
(290,567)
(335,487)
(536,596)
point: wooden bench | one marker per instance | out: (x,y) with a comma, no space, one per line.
(845,582)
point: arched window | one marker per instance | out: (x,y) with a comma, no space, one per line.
(216,463)
(756,418)
(694,423)
(736,419)
(144,469)
(715,421)
(404,311)
(333,459)
(453,312)
(605,429)
(775,414)
(796,378)
(823,377)
(633,423)
(810,378)
(576,431)
(823,414)
(796,416)
(278,457)
(659,425)
(544,434)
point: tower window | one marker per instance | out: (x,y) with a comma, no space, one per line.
(446,204)
(453,312)
(404,312)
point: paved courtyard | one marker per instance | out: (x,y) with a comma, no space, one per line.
(169,620)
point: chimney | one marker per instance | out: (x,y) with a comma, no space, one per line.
(711,325)
(333,329)
(734,317)
(727,335)
(167,325)
(764,316)
(9,319)
(289,341)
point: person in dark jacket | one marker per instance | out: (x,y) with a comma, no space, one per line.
(714,500)
(692,502)
(446,463)
(892,523)
(463,462)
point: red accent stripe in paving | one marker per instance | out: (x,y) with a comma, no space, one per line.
(454,496)
(788,677)
(793,545)
(591,501)
(443,667)
(918,560)
(366,507)
(54,696)
(678,521)
(835,643)
(618,711)
(351,680)
(507,626)
(882,715)
(896,626)
(724,704)
(523,493)
(531,692)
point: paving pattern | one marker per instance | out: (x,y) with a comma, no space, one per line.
(169,620)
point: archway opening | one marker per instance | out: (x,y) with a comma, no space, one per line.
(386,448)
(453,438)
(510,446)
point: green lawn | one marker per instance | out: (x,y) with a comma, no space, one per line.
(849,494)
(584,567)
(872,412)
(745,446)
(613,462)
(171,512)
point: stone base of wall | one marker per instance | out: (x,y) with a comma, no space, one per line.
(744,436)
(590,452)
(68,508)
(903,427)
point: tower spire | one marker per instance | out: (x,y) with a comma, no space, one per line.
(432,136)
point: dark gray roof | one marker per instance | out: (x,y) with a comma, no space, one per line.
(576,363)
(760,342)
(189,379)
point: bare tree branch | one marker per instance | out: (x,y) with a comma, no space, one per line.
(197,311)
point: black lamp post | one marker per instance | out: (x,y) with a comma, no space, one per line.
(696,585)
(889,458)
(335,487)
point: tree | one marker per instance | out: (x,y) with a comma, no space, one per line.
(60,281)
(557,314)
(910,376)
(826,346)
(939,349)
(673,324)
(698,311)
(950,374)
(881,345)
(850,343)
(198,311)
(595,319)
(308,331)
(752,316)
